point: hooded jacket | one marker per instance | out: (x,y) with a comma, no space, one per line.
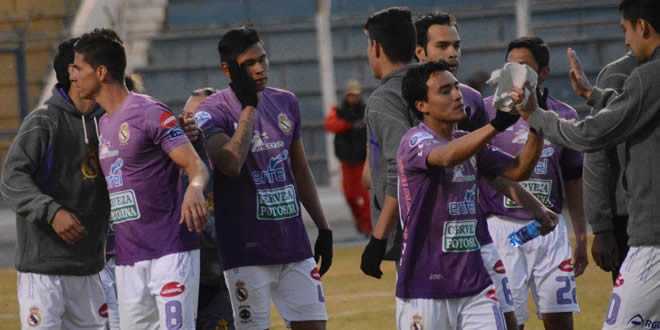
(53,164)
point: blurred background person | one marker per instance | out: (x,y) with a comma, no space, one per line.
(347,122)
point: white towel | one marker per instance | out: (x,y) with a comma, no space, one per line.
(512,74)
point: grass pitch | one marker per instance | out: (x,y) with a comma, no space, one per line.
(355,301)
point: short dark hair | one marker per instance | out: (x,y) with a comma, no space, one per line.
(423,23)
(63,58)
(206,92)
(648,10)
(394,30)
(539,49)
(235,42)
(413,86)
(103,47)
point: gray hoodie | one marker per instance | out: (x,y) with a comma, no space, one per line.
(53,164)
(388,119)
(632,116)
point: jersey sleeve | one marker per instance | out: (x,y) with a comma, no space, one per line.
(492,161)
(212,117)
(414,150)
(162,127)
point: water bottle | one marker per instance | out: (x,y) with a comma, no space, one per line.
(525,234)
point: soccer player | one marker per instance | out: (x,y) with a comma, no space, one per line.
(604,199)
(261,177)
(442,282)
(391,49)
(630,117)
(543,265)
(60,236)
(214,307)
(141,148)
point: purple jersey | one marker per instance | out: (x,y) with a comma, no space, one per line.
(441,219)
(478,117)
(259,215)
(545,182)
(144,183)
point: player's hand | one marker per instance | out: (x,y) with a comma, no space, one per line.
(189,126)
(579,81)
(373,256)
(604,250)
(242,85)
(580,259)
(518,96)
(547,218)
(193,209)
(68,227)
(323,250)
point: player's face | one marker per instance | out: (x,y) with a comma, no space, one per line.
(633,39)
(191,105)
(352,99)
(523,56)
(444,43)
(84,77)
(256,62)
(444,99)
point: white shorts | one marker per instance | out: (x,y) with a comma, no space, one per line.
(294,288)
(497,273)
(635,301)
(481,311)
(543,265)
(110,289)
(159,293)
(60,301)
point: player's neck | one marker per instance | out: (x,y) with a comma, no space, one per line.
(111,97)
(388,67)
(440,127)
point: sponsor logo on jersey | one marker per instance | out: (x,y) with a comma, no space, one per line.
(244,313)
(315,274)
(90,165)
(566,266)
(123,206)
(619,281)
(276,204)
(547,152)
(167,120)
(115,179)
(284,123)
(175,132)
(521,137)
(460,236)
(274,173)
(104,149)
(541,189)
(541,167)
(103,311)
(172,289)
(34,318)
(418,138)
(638,320)
(417,323)
(259,142)
(459,176)
(201,118)
(241,291)
(499,267)
(124,133)
(492,295)
(467,205)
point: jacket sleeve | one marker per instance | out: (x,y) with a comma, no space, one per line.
(335,124)
(388,124)
(625,114)
(27,167)
(599,190)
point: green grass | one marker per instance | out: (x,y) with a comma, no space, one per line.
(355,301)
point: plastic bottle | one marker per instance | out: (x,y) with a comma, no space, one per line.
(525,234)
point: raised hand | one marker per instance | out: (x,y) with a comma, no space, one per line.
(579,81)
(242,85)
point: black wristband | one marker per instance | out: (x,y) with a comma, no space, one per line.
(503,120)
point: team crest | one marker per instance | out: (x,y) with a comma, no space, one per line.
(241,291)
(285,124)
(90,165)
(124,133)
(34,318)
(417,323)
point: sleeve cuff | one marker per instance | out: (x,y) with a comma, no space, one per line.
(392,190)
(52,210)
(595,97)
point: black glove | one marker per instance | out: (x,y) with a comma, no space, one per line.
(373,256)
(503,120)
(243,86)
(323,250)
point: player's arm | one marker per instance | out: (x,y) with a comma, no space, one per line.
(229,154)
(574,199)
(527,201)
(366,170)
(309,198)
(193,208)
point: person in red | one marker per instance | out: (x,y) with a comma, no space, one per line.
(347,122)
